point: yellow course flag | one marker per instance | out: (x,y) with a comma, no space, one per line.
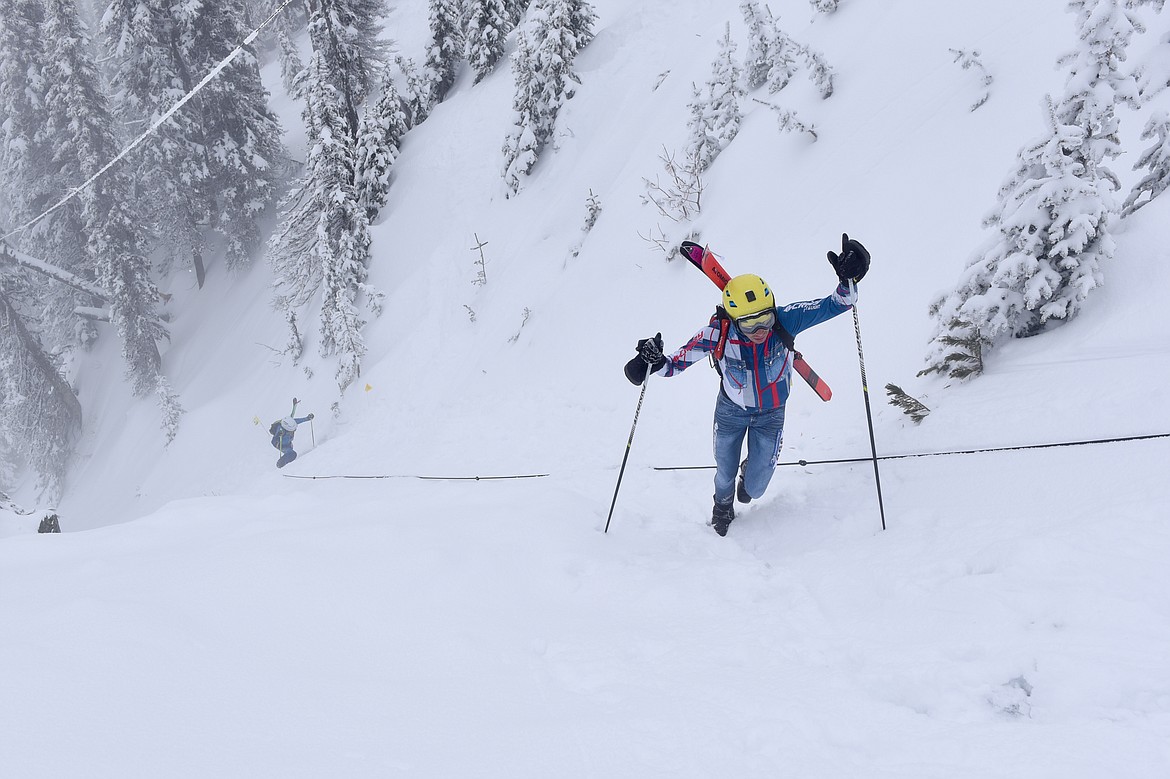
(368,388)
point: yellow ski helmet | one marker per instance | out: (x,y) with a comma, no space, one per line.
(746,295)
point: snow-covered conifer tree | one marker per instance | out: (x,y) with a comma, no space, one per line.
(1053,220)
(1153,78)
(1097,81)
(554,33)
(22,107)
(757,62)
(523,144)
(124,273)
(242,136)
(772,54)
(92,236)
(819,71)
(79,127)
(148,76)
(1156,159)
(514,9)
(416,96)
(347,36)
(381,131)
(36,170)
(281,33)
(446,49)
(291,66)
(323,242)
(716,112)
(40,417)
(1009,280)
(345,280)
(487,27)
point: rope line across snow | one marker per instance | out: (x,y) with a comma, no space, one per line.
(425,478)
(937,454)
(1122,439)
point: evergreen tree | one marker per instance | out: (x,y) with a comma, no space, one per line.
(1097,81)
(381,132)
(910,405)
(446,49)
(1153,74)
(532,122)
(819,72)
(323,243)
(514,11)
(772,54)
(1046,251)
(555,32)
(212,164)
(346,34)
(40,418)
(417,100)
(148,77)
(345,280)
(242,136)
(291,67)
(289,19)
(487,27)
(1053,220)
(761,34)
(22,109)
(35,171)
(1156,159)
(80,127)
(716,115)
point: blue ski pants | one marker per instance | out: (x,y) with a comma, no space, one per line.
(764,430)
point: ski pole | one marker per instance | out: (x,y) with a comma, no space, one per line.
(313,433)
(626,456)
(868,414)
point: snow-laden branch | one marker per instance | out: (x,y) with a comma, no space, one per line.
(14,257)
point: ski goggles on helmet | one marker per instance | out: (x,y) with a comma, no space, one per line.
(754,323)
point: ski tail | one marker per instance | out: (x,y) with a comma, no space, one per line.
(814,380)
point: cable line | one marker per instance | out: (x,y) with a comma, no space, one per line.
(150,131)
(424,478)
(936,454)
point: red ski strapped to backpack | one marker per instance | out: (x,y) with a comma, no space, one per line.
(704,259)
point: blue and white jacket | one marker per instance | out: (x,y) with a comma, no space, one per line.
(282,439)
(758,376)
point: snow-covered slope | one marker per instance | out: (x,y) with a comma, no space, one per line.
(207,615)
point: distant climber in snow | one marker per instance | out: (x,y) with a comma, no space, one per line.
(282,431)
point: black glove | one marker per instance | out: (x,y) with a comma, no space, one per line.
(853,262)
(310,416)
(648,359)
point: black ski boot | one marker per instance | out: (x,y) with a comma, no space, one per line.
(741,494)
(721,516)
